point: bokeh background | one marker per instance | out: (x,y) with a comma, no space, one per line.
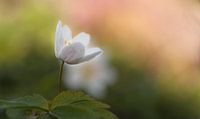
(153,47)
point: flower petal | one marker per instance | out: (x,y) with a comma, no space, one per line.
(66,33)
(90,54)
(83,38)
(59,41)
(73,53)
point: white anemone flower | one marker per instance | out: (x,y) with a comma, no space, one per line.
(73,50)
(93,77)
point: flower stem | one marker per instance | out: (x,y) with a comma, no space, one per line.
(60,77)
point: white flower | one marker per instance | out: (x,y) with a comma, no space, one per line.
(73,50)
(93,77)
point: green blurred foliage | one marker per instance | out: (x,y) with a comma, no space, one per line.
(137,95)
(27,62)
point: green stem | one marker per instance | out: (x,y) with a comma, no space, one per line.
(60,77)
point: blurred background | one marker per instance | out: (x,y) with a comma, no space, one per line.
(150,68)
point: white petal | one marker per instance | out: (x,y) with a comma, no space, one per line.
(66,33)
(59,41)
(90,54)
(72,53)
(83,38)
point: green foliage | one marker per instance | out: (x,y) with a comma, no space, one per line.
(27,35)
(75,98)
(76,105)
(68,104)
(18,113)
(35,101)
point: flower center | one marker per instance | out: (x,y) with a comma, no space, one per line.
(68,42)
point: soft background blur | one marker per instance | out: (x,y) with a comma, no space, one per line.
(153,45)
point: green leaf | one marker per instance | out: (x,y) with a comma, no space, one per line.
(35,101)
(73,97)
(81,112)
(72,112)
(68,104)
(16,113)
(77,105)
(23,113)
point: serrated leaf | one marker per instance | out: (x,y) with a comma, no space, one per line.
(35,101)
(72,97)
(77,105)
(73,112)
(92,104)
(68,104)
(81,112)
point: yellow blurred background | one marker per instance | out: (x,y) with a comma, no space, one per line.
(154,47)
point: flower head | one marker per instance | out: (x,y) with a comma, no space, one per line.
(73,50)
